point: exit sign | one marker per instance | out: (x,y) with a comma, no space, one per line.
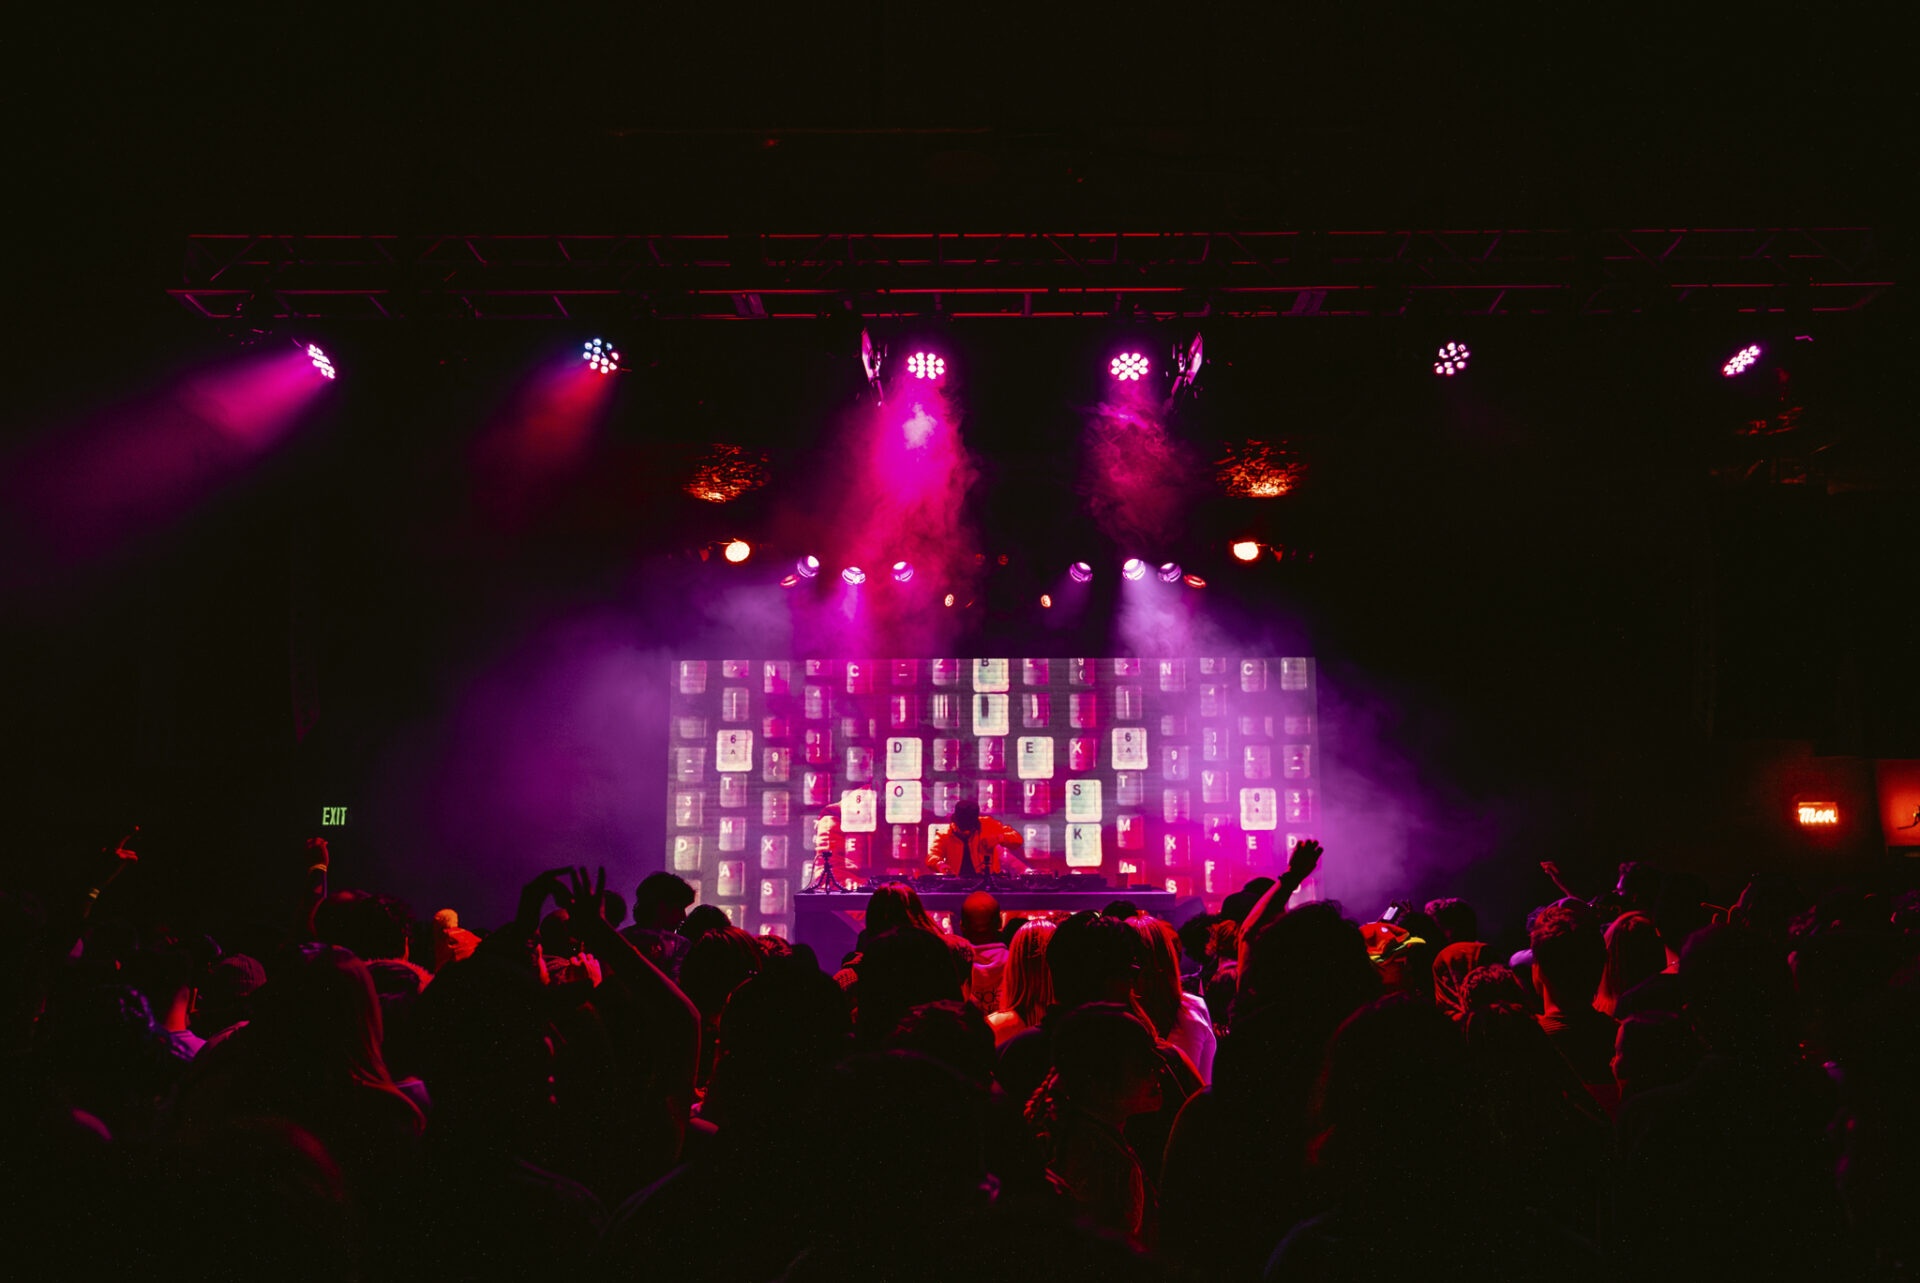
(332,816)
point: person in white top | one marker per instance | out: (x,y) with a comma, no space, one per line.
(1026,988)
(1179,1017)
(1193,1034)
(979,924)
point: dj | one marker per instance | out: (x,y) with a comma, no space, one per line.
(972,843)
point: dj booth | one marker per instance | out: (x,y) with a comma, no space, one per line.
(830,921)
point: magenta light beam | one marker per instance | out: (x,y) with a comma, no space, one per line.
(92,489)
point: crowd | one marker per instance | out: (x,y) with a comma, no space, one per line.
(1650,1088)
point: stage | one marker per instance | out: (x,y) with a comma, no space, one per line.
(826,920)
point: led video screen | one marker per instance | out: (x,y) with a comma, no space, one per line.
(1190,774)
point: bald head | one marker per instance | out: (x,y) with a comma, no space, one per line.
(980,918)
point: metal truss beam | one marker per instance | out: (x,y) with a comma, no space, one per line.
(720,276)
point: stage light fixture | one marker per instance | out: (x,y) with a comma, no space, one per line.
(854,575)
(948,601)
(320,360)
(902,571)
(723,472)
(1451,359)
(1128,366)
(925,365)
(1188,361)
(788,581)
(807,567)
(1195,581)
(1080,572)
(1046,601)
(738,551)
(1134,568)
(1246,549)
(1739,361)
(872,357)
(1170,572)
(600,356)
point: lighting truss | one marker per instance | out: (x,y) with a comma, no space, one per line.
(1293,274)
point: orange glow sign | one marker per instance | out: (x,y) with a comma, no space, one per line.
(1817,813)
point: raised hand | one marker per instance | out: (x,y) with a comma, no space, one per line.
(1305,858)
(1552,870)
(114,860)
(533,897)
(580,896)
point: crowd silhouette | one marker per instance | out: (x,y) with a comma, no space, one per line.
(1647,1088)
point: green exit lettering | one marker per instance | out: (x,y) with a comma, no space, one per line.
(333,815)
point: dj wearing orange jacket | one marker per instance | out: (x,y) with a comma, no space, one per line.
(971,844)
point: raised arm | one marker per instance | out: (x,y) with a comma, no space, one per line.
(1300,866)
(1552,871)
(313,888)
(68,916)
(657,1015)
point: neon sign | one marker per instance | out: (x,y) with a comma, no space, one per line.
(1817,813)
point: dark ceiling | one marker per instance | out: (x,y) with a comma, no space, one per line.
(1491,561)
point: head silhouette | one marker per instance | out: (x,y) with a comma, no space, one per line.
(1092,959)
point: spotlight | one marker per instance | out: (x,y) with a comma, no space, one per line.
(1080,572)
(1195,581)
(1451,359)
(1134,568)
(902,571)
(325,366)
(1046,601)
(925,365)
(949,600)
(788,581)
(854,575)
(1169,572)
(1736,364)
(1246,549)
(738,551)
(807,567)
(1128,366)
(600,357)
